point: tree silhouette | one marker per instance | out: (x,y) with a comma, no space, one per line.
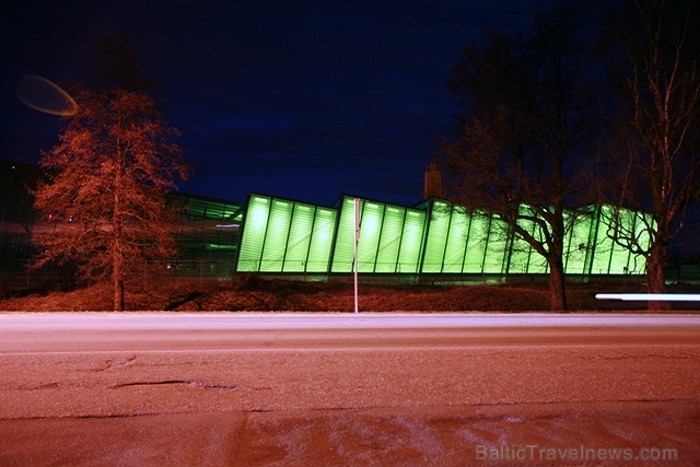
(525,115)
(654,163)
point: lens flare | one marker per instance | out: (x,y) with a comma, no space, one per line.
(43,95)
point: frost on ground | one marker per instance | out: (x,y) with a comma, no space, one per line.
(447,436)
(448,397)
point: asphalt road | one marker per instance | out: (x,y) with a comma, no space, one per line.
(572,370)
(88,332)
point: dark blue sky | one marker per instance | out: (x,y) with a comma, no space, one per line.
(294,98)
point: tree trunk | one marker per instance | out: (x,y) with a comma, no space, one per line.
(117,283)
(557,282)
(557,285)
(119,295)
(117,253)
(655,276)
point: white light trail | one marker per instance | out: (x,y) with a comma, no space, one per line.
(658,297)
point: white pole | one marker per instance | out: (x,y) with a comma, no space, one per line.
(356,240)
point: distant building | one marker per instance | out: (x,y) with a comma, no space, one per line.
(433,241)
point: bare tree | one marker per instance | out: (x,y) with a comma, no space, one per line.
(525,116)
(107,179)
(655,164)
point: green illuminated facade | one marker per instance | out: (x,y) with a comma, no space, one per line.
(286,236)
(391,238)
(282,236)
(269,235)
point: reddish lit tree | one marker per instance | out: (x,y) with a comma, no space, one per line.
(106,187)
(655,166)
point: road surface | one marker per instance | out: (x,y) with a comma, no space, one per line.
(345,389)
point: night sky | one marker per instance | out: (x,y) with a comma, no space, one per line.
(300,99)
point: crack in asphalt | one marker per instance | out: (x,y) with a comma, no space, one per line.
(113,364)
(504,417)
(176,382)
(91,416)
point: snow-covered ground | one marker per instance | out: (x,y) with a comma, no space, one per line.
(344,389)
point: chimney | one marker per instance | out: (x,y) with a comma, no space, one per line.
(432,184)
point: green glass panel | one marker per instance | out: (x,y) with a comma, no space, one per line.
(520,256)
(276,236)
(576,247)
(370,230)
(321,240)
(281,235)
(299,238)
(637,262)
(494,261)
(390,241)
(538,263)
(603,243)
(476,243)
(411,242)
(256,217)
(437,237)
(344,245)
(620,255)
(456,245)
(521,251)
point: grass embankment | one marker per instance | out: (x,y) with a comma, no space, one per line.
(279,295)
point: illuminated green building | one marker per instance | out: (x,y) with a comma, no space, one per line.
(432,239)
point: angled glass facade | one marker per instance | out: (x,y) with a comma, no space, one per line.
(218,238)
(282,236)
(462,242)
(390,240)
(286,236)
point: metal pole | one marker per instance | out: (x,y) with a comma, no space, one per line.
(356,240)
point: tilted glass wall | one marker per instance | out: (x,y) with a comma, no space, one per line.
(609,257)
(285,236)
(464,242)
(274,235)
(523,257)
(588,246)
(578,245)
(434,238)
(390,240)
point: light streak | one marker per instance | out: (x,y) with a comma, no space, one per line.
(657,297)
